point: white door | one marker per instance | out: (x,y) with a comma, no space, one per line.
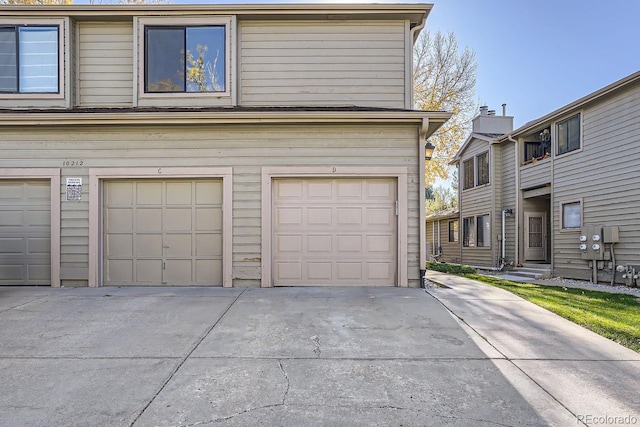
(334,232)
(162,232)
(25,232)
(535,236)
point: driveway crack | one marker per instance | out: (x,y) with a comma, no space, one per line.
(185,358)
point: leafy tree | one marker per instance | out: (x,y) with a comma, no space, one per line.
(444,80)
(442,198)
(201,73)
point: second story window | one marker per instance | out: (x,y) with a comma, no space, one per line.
(483,168)
(568,134)
(185,59)
(29,59)
(468,167)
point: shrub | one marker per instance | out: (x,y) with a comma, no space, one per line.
(458,269)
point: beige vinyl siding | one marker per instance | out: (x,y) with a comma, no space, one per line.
(322,63)
(535,175)
(246,148)
(509,198)
(105,64)
(474,202)
(450,250)
(605,175)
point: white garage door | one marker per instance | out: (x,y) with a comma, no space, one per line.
(162,232)
(25,233)
(334,232)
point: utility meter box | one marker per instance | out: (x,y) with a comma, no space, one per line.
(591,243)
(610,234)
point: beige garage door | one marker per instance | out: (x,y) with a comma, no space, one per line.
(162,232)
(25,233)
(334,232)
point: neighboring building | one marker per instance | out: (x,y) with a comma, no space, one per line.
(566,177)
(483,189)
(443,236)
(228,145)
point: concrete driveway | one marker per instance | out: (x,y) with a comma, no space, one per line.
(250,357)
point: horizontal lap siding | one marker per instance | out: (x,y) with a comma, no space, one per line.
(535,175)
(323,63)
(509,198)
(473,202)
(246,148)
(605,175)
(105,52)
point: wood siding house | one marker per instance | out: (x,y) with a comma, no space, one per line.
(563,179)
(211,145)
(443,236)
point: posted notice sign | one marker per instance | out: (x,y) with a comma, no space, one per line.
(74,189)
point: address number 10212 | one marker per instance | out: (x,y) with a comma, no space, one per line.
(72,162)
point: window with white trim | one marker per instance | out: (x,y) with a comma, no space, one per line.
(568,135)
(29,59)
(571,215)
(476,231)
(184,57)
(453,230)
(476,171)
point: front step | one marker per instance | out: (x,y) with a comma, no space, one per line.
(533,273)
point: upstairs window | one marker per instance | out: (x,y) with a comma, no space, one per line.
(568,134)
(29,59)
(468,174)
(185,59)
(483,168)
(476,171)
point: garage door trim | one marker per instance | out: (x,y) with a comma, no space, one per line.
(53,175)
(98,175)
(270,173)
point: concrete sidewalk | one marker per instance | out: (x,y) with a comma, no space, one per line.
(556,365)
(300,357)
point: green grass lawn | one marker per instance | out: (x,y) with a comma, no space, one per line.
(615,316)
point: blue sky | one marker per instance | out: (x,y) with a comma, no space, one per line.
(539,55)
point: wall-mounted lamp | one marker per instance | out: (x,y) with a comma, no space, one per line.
(428,150)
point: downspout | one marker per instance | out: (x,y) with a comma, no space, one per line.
(437,251)
(516,211)
(422,137)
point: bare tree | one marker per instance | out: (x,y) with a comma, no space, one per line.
(444,80)
(36,2)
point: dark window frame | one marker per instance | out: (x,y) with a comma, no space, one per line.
(184,51)
(569,135)
(469,173)
(454,231)
(482,169)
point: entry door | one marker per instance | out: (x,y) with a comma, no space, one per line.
(535,241)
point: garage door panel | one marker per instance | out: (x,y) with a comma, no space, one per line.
(178,219)
(39,246)
(119,270)
(289,243)
(121,244)
(208,219)
(175,237)
(149,271)
(319,216)
(25,232)
(148,245)
(119,193)
(289,216)
(334,231)
(349,216)
(319,271)
(208,271)
(209,245)
(149,193)
(119,220)
(179,245)
(179,193)
(11,218)
(12,246)
(148,219)
(319,244)
(350,244)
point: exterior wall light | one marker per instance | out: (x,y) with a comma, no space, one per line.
(428,150)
